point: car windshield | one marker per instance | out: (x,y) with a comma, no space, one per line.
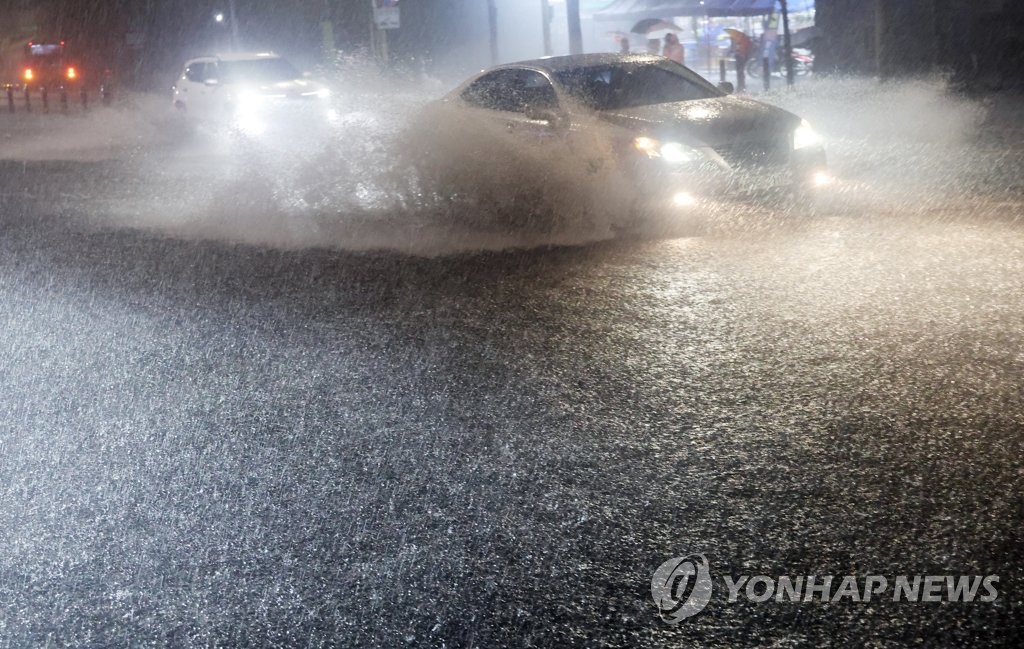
(613,86)
(257,70)
(41,50)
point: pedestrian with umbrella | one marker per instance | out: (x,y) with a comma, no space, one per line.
(654,30)
(673,48)
(742,47)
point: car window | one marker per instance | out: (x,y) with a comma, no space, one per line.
(537,91)
(195,72)
(511,90)
(267,70)
(607,87)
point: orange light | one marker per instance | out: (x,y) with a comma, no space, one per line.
(28,74)
(72,73)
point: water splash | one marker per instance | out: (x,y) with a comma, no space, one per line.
(358,181)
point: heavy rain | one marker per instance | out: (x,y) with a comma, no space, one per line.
(315,335)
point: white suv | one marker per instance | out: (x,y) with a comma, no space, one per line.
(248,90)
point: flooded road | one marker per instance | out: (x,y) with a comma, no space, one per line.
(316,432)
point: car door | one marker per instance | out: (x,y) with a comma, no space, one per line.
(187,87)
(525,123)
(524,120)
(521,101)
(200,87)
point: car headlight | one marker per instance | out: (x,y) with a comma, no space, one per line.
(676,153)
(805,137)
(647,145)
(248,99)
(250,124)
(670,152)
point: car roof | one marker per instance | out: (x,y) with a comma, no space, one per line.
(234,56)
(246,56)
(571,61)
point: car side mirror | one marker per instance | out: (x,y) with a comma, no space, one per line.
(726,87)
(212,82)
(552,117)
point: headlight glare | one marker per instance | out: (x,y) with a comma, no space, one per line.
(676,153)
(647,145)
(805,137)
(248,99)
(670,152)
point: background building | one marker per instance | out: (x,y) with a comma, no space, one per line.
(974,41)
(143,41)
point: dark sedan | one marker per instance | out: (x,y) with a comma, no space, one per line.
(663,135)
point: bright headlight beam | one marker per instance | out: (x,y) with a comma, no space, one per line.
(250,124)
(647,144)
(804,136)
(247,99)
(676,153)
(670,152)
(683,199)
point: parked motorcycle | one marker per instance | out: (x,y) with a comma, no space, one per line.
(803,64)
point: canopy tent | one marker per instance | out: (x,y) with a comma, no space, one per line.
(637,9)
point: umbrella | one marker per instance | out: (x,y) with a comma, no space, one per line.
(655,28)
(741,43)
(647,24)
(806,35)
(735,34)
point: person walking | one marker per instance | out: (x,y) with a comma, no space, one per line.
(770,41)
(742,48)
(673,48)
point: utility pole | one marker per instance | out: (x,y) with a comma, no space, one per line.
(235,40)
(327,31)
(545,19)
(787,43)
(492,28)
(572,8)
(880,39)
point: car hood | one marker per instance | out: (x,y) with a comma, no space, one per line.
(713,121)
(290,88)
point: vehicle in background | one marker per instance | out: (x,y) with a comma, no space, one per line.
(803,64)
(251,91)
(43,65)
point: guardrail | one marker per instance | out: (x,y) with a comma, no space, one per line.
(21,99)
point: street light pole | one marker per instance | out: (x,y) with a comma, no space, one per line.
(787,47)
(235,40)
(572,9)
(545,18)
(492,29)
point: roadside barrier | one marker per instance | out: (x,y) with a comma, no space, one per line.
(42,98)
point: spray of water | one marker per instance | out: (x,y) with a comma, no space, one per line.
(380,174)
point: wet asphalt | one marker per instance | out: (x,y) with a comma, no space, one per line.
(207,443)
